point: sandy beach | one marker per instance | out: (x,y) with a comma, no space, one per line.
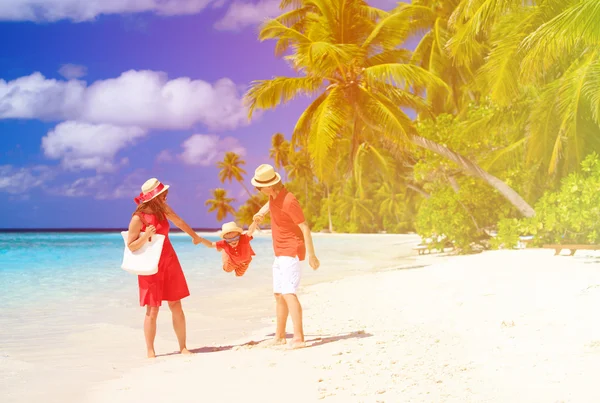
(72,334)
(501,326)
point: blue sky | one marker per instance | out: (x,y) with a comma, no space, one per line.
(97,96)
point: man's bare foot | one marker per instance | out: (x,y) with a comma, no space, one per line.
(151,353)
(186,351)
(295,344)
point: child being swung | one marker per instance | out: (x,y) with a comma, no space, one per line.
(234,247)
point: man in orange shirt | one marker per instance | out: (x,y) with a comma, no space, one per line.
(291,240)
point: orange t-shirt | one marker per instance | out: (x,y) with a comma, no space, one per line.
(286,214)
(242,253)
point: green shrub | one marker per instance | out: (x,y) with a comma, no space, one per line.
(569,215)
(460,217)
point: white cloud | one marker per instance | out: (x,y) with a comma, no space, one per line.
(206,149)
(101,187)
(35,97)
(71,71)
(164,156)
(86,146)
(86,10)
(146,99)
(81,187)
(241,14)
(18,180)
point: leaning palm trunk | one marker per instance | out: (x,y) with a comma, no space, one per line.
(329,209)
(473,169)
(249,194)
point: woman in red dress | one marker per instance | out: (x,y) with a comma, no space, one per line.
(152,217)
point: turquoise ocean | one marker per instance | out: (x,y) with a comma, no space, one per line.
(70,312)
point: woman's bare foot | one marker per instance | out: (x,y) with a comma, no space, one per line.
(186,351)
(151,353)
(297,344)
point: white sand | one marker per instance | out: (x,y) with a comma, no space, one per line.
(503,326)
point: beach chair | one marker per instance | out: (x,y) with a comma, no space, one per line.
(571,247)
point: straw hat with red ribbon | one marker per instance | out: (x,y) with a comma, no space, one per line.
(151,189)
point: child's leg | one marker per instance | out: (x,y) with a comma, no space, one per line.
(241,269)
(227,266)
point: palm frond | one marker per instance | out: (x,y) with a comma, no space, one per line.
(326,58)
(577,25)
(470,23)
(389,32)
(389,56)
(379,112)
(328,122)
(267,94)
(499,76)
(591,87)
(304,123)
(402,75)
(274,29)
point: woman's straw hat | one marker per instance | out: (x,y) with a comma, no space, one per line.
(150,189)
(230,227)
(265,176)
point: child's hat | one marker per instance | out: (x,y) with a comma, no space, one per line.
(230,227)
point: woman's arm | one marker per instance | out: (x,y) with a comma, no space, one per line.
(134,240)
(178,221)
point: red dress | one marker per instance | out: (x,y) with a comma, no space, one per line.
(168,284)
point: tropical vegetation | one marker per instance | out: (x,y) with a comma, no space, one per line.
(495,108)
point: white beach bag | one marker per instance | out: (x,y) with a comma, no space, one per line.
(144,261)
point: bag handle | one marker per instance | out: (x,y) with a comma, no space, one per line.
(143,222)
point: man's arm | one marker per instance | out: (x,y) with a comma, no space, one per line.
(310,248)
(260,216)
(252,228)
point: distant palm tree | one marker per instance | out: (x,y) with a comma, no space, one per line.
(280,151)
(231,168)
(299,167)
(220,203)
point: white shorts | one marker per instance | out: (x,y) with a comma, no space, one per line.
(287,272)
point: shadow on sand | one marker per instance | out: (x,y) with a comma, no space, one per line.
(319,341)
(311,341)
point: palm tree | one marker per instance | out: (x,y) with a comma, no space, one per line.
(280,149)
(347,57)
(354,208)
(299,168)
(220,203)
(231,168)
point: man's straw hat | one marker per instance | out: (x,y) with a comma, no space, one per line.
(230,227)
(265,176)
(151,189)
